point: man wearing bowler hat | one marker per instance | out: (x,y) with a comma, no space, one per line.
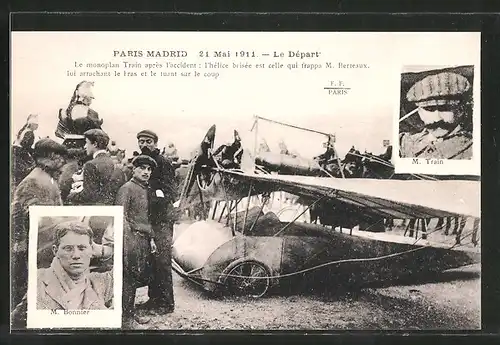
(163,190)
(443,102)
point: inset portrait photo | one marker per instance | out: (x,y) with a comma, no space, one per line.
(436,113)
(74,270)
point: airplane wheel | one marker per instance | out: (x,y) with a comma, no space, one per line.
(248,278)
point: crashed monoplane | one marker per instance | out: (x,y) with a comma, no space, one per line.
(252,249)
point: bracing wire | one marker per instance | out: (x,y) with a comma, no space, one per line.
(350,261)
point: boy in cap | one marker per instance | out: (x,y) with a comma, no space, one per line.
(163,192)
(441,100)
(98,181)
(38,188)
(138,233)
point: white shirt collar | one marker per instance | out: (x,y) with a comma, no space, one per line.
(98,152)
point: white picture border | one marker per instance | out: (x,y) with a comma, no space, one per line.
(94,318)
(445,166)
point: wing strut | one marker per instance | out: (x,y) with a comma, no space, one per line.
(248,206)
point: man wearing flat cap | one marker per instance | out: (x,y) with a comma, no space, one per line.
(99,181)
(163,191)
(139,236)
(442,104)
(38,188)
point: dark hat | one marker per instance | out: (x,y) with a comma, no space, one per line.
(74,141)
(45,146)
(147,133)
(75,152)
(438,89)
(144,160)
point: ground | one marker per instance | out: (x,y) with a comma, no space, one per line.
(449,301)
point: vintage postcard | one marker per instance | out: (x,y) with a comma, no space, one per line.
(75,267)
(267,180)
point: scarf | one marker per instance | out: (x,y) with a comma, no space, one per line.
(74,290)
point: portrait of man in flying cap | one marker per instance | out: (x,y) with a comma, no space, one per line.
(441,110)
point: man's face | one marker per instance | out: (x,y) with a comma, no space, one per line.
(90,147)
(350,167)
(142,173)
(440,119)
(146,144)
(74,252)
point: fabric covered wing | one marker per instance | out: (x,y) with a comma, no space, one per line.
(388,198)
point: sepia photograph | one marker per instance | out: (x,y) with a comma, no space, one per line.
(74,279)
(441,103)
(265,181)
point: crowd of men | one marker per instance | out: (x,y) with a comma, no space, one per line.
(145,186)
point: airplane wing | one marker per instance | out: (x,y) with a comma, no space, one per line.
(400,199)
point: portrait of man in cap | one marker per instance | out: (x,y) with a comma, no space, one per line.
(436,114)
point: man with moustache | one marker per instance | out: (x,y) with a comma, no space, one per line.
(38,188)
(163,190)
(443,107)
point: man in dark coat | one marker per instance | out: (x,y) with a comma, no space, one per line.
(163,191)
(231,153)
(138,234)
(329,156)
(38,188)
(75,160)
(100,181)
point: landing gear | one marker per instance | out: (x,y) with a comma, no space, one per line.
(248,278)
